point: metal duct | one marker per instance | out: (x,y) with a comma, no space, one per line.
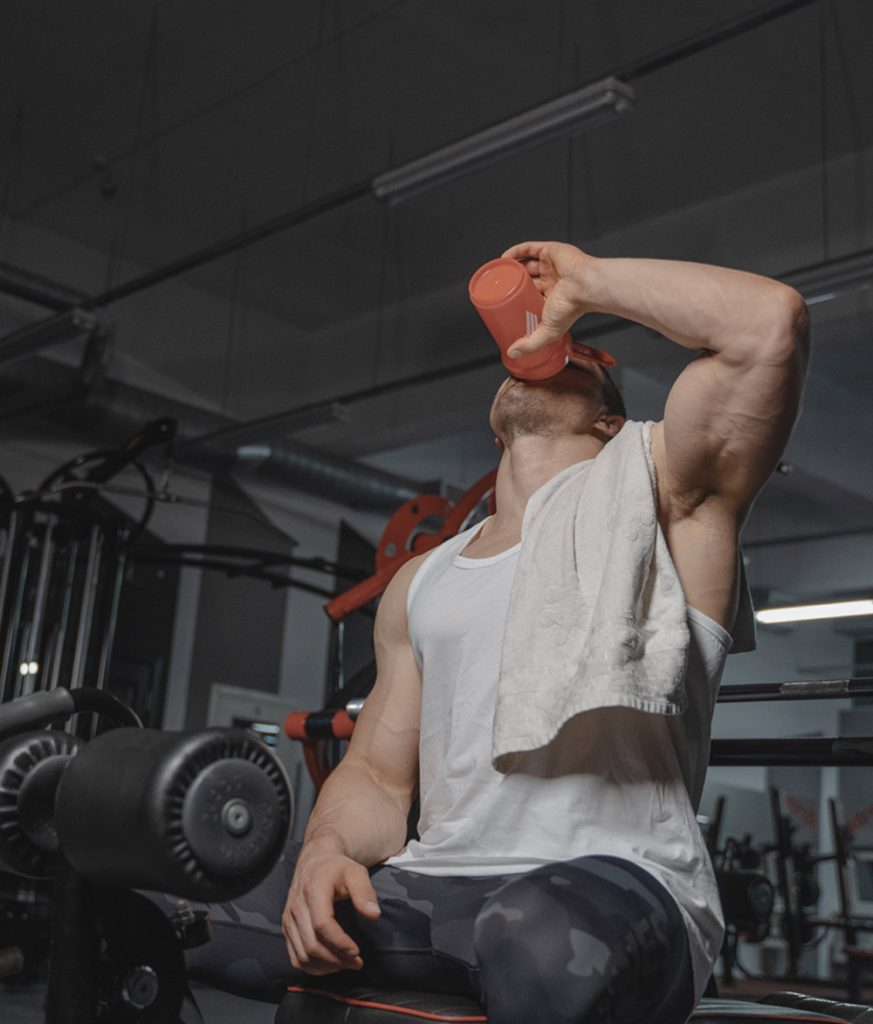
(73,325)
(115,410)
(54,384)
(35,288)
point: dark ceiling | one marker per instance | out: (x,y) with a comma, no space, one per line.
(136,133)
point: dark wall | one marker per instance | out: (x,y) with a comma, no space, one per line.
(356,552)
(143,638)
(240,621)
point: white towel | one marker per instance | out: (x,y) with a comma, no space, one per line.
(597,616)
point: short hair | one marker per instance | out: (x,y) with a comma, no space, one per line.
(611,396)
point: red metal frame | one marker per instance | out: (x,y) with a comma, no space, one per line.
(402,538)
(400,535)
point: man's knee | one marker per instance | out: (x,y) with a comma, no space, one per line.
(558,953)
(524,936)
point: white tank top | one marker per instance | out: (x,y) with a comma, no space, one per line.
(615,781)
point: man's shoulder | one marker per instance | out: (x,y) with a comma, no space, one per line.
(404,575)
(391,617)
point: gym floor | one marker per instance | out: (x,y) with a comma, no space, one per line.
(23,1004)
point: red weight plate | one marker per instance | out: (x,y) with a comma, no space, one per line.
(399,535)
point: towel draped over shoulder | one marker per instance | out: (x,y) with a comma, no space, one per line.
(597,616)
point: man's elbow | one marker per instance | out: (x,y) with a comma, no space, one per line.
(792,336)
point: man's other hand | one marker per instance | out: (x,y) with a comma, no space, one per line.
(316,943)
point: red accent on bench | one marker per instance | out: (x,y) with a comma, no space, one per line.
(351,1001)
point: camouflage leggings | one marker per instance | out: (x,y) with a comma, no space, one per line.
(596,939)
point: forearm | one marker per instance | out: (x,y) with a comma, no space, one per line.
(693,304)
(357,817)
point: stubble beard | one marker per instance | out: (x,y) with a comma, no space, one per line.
(523,412)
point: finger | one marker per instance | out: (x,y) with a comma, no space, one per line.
(363,895)
(533,342)
(318,968)
(536,271)
(312,948)
(329,933)
(340,951)
(524,251)
(317,954)
(293,944)
(560,312)
(298,956)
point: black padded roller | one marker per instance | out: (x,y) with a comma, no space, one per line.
(45,707)
(31,766)
(203,815)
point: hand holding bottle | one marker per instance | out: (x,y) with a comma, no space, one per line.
(528,299)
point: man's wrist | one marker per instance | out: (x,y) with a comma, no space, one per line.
(591,281)
(323,843)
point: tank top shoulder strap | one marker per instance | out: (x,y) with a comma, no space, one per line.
(440,555)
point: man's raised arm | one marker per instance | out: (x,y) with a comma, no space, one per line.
(730,413)
(360,816)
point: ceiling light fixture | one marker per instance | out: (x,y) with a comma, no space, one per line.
(813,612)
(574,112)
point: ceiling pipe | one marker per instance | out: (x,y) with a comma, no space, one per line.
(54,385)
(39,290)
(118,410)
(228,246)
(64,328)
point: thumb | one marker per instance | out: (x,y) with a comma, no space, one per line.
(362,894)
(559,315)
(544,334)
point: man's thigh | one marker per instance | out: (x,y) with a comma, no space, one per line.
(594,939)
(423,939)
(247,953)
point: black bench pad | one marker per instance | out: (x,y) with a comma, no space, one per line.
(314,1005)
(842,1011)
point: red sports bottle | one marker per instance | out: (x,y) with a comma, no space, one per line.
(507,299)
(511,306)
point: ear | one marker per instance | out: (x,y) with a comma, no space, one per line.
(607,426)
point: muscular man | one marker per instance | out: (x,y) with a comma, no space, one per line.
(575,887)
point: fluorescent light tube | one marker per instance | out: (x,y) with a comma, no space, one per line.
(811,612)
(834,277)
(602,101)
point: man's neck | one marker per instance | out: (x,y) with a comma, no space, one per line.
(526,465)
